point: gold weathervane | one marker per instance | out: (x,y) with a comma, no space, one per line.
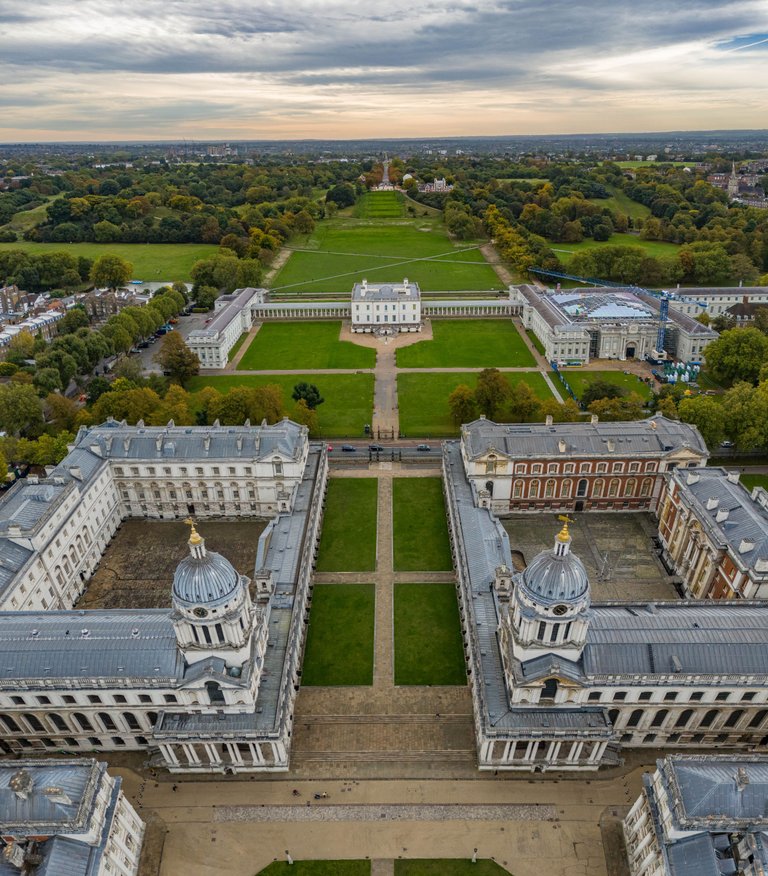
(194,535)
(563,535)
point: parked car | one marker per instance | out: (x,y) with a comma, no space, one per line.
(423,447)
(348,448)
(143,345)
(726,443)
(376,448)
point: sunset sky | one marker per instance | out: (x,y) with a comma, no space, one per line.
(276,69)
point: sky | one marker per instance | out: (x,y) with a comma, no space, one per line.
(341,69)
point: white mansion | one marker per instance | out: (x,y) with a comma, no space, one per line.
(207,683)
(391,307)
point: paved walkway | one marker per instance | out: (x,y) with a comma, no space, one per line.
(232,366)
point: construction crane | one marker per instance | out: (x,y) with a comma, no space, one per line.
(663,297)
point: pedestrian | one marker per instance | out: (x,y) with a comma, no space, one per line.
(174,787)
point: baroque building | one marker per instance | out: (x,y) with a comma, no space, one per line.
(388,307)
(66,817)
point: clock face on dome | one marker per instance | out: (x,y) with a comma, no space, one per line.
(560,609)
(200,612)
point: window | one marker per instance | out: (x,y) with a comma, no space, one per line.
(634,718)
(130,720)
(537,469)
(649,737)
(542,631)
(594,697)
(658,718)
(733,719)
(722,697)
(684,718)
(613,487)
(709,719)
(145,698)
(670,697)
(597,489)
(170,698)
(645,696)
(620,696)
(94,698)
(748,697)
(533,489)
(44,701)
(549,489)
(697,696)
(602,467)
(18,701)
(119,698)
(34,723)
(565,488)
(69,699)
(758,718)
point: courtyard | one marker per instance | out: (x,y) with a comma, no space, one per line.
(617,551)
(298,345)
(137,568)
(468,343)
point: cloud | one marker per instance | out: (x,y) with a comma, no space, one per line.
(103,65)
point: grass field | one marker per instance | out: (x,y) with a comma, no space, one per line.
(620,202)
(632,165)
(428,647)
(448,867)
(348,542)
(342,252)
(238,343)
(304,345)
(340,635)
(326,868)
(151,261)
(655,248)
(348,404)
(468,343)
(580,380)
(423,399)
(751,481)
(420,528)
(380,205)
(535,341)
(26,219)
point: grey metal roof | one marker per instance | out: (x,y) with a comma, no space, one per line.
(36,646)
(652,437)
(206,580)
(743,523)
(27,502)
(551,578)
(707,789)
(698,292)
(234,306)
(405,291)
(66,857)
(13,558)
(693,856)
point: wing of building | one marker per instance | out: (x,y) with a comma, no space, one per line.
(232,317)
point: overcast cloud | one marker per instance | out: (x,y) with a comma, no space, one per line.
(101,69)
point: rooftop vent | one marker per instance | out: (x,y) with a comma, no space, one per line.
(733,477)
(677,666)
(722,514)
(550,419)
(85,634)
(746,546)
(712,501)
(594,419)
(561,445)
(21,784)
(692,478)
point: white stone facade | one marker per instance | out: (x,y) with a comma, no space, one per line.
(387,307)
(232,318)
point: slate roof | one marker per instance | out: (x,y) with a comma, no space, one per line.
(236,303)
(405,291)
(746,522)
(652,437)
(27,502)
(699,292)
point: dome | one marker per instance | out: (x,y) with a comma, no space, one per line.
(556,575)
(204,577)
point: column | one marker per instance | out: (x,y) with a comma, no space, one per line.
(169,754)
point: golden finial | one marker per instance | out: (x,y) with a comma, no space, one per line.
(564,535)
(194,535)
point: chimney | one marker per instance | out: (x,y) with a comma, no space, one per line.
(21,784)
(742,779)
(693,478)
(733,477)
(594,419)
(712,502)
(722,515)
(550,419)
(611,446)
(746,546)
(561,446)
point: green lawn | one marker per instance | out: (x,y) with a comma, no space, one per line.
(420,527)
(428,646)
(340,636)
(632,165)
(239,343)
(620,202)
(579,380)
(304,345)
(423,399)
(449,867)
(320,868)
(751,481)
(468,343)
(348,404)
(348,541)
(536,342)
(151,261)
(26,219)
(380,205)
(344,251)
(655,248)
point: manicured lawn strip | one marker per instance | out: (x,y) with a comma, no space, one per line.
(294,345)
(239,343)
(420,528)
(423,399)
(449,867)
(151,261)
(340,636)
(348,404)
(348,542)
(428,647)
(380,205)
(620,202)
(318,868)
(468,343)
(535,341)
(580,380)
(565,251)
(750,481)
(384,251)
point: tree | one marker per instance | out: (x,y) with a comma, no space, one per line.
(175,357)
(628,407)
(492,392)
(61,410)
(72,321)
(111,272)
(21,347)
(3,467)
(667,406)
(175,406)
(21,411)
(47,380)
(462,404)
(523,405)
(707,414)
(309,393)
(738,354)
(598,389)
(305,416)
(96,388)
(342,195)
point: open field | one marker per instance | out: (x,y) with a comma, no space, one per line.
(348,404)
(428,647)
(580,380)
(304,345)
(423,399)
(348,542)
(151,261)
(448,867)
(468,343)
(420,529)
(340,636)
(632,165)
(622,203)
(380,205)
(654,248)
(321,868)
(342,252)
(26,219)
(751,481)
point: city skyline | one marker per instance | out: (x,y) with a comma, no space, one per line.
(320,70)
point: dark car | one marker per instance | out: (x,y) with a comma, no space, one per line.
(143,345)
(376,448)
(348,448)
(423,447)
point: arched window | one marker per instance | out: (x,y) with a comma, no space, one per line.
(613,487)
(533,489)
(634,718)
(9,723)
(709,719)
(597,488)
(565,488)
(58,722)
(215,693)
(758,718)
(631,487)
(34,723)
(613,715)
(549,489)
(82,722)
(646,487)
(683,718)
(541,634)
(517,492)
(582,487)
(107,721)
(733,719)
(131,721)
(658,718)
